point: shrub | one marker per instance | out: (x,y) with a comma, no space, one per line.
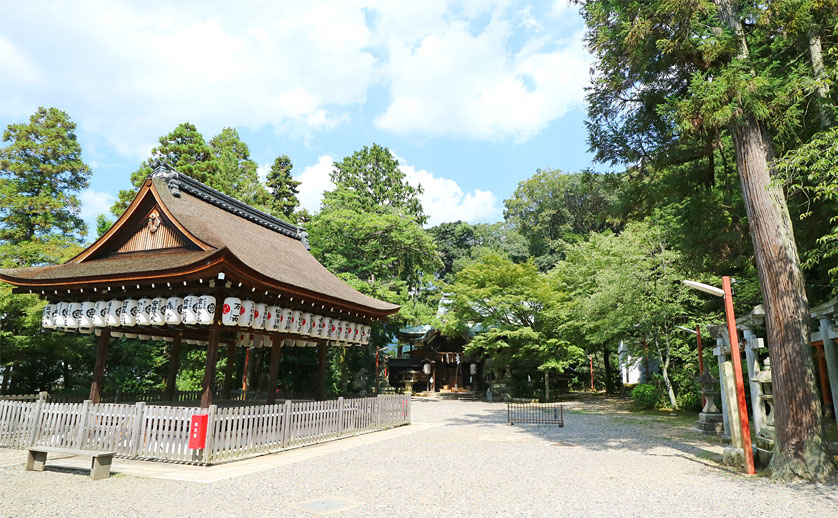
(689,401)
(646,396)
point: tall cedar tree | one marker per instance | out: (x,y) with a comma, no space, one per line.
(235,173)
(373,173)
(668,72)
(41,174)
(283,188)
(184,149)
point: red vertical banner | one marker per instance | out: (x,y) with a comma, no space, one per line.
(198,432)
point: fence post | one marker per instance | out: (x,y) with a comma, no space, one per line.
(340,416)
(137,432)
(286,422)
(80,438)
(35,422)
(42,396)
(378,412)
(210,434)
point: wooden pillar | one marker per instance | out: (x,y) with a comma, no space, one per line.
(228,370)
(209,368)
(99,368)
(274,370)
(174,366)
(321,370)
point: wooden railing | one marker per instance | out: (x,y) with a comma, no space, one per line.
(162,432)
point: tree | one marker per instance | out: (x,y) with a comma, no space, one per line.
(41,174)
(374,174)
(503,306)
(283,188)
(185,150)
(671,74)
(553,209)
(103,224)
(235,173)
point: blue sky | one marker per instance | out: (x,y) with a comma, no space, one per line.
(471,96)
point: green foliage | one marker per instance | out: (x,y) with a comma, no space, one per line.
(373,174)
(689,401)
(235,173)
(185,150)
(283,188)
(461,243)
(646,396)
(553,210)
(41,174)
(103,223)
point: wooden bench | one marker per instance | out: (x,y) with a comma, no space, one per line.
(100,465)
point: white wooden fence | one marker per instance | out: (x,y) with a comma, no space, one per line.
(162,432)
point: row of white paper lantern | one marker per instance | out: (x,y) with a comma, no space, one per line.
(198,309)
(247,313)
(192,309)
(245,339)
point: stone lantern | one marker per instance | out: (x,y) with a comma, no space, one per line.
(710,418)
(766,434)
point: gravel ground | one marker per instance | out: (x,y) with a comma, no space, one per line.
(604,462)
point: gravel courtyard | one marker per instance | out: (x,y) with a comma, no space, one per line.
(458,459)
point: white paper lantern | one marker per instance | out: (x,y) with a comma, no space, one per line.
(47,321)
(272,321)
(129,313)
(57,317)
(157,315)
(87,312)
(294,322)
(174,311)
(260,316)
(316,321)
(286,319)
(71,321)
(312,324)
(100,313)
(144,311)
(114,310)
(246,313)
(365,339)
(190,309)
(230,311)
(305,324)
(206,310)
(426,368)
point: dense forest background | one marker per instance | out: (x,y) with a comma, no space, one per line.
(582,259)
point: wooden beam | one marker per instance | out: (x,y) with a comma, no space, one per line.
(321,370)
(209,367)
(228,370)
(99,368)
(174,366)
(272,375)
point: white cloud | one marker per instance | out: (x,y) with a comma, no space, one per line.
(262,172)
(458,80)
(314,180)
(94,203)
(443,199)
(128,72)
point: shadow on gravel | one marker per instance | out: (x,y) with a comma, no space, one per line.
(598,428)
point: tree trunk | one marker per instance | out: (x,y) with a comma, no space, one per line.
(606,360)
(250,377)
(67,375)
(546,385)
(800,448)
(7,374)
(664,359)
(819,72)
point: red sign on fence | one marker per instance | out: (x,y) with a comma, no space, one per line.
(198,432)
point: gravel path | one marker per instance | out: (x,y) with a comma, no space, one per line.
(465,462)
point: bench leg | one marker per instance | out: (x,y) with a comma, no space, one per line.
(100,467)
(36,460)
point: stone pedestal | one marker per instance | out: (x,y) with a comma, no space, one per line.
(728,380)
(710,419)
